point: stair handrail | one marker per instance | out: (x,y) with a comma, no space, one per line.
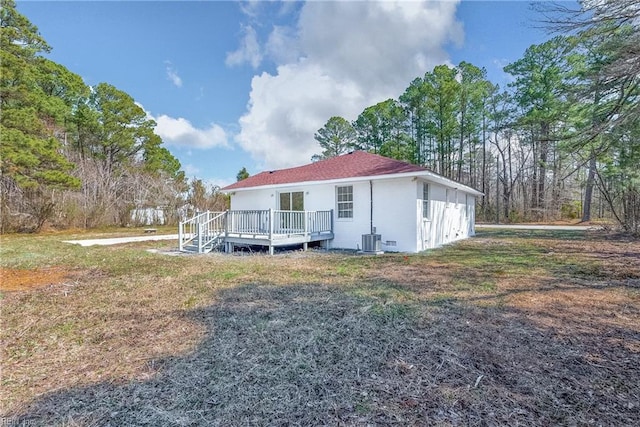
(188,229)
(211,229)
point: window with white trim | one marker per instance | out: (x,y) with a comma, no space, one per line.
(466,205)
(425,200)
(344,201)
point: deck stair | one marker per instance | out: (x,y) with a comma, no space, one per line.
(203,233)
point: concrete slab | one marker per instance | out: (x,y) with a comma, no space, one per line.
(120,240)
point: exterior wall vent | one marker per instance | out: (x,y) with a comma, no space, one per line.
(371,243)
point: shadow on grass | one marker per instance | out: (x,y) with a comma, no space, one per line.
(322,354)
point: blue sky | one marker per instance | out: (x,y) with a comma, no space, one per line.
(235,84)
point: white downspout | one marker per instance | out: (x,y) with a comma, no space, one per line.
(371,206)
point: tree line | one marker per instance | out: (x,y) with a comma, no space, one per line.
(73,155)
(562,140)
(563,135)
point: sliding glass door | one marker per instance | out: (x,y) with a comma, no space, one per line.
(291,221)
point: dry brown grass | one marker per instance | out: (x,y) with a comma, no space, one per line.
(510,328)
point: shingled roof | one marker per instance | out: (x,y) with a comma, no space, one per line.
(352,165)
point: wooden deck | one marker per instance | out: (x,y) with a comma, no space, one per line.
(270,228)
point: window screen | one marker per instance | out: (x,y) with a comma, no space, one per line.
(425,200)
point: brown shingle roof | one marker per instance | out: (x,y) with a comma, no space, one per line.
(352,165)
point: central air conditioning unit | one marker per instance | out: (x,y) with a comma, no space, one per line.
(371,243)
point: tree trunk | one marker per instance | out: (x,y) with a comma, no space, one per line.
(544,148)
(461,147)
(588,192)
(484,166)
(591,176)
(534,181)
(506,189)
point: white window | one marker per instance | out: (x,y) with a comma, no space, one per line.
(425,201)
(344,201)
(466,206)
(449,197)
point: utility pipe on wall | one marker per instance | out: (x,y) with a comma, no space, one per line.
(371,200)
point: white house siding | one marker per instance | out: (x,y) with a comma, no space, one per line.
(394,215)
(253,200)
(397,212)
(448,220)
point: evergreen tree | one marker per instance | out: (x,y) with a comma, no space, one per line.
(31,116)
(56,134)
(336,137)
(442,88)
(242,174)
(538,90)
(31,156)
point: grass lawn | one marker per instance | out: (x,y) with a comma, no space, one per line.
(508,328)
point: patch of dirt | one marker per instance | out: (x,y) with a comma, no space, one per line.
(24,280)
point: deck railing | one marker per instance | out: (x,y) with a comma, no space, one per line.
(301,222)
(274,222)
(248,222)
(204,228)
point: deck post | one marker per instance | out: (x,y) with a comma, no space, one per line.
(180,233)
(199,235)
(331,220)
(226,225)
(270,231)
(305,245)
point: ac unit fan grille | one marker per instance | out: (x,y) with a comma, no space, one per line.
(371,243)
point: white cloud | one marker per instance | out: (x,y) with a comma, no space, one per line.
(286,110)
(251,8)
(499,64)
(219,182)
(193,172)
(172,74)
(282,46)
(180,132)
(248,52)
(190,170)
(341,58)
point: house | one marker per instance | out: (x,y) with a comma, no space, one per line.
(354,201)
